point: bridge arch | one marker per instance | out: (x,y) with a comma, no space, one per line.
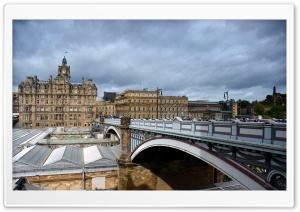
(113,129)
(225,165)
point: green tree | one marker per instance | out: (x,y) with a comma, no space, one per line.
(244,103)
(278,111)
(268,101)
(259,109)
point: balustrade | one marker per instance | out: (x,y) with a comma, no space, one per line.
(260,132)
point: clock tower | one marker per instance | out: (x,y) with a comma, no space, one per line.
(64,71)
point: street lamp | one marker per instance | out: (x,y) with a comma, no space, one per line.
(239,107)
(157,103)
(177,107)
(226,93)
(148,109)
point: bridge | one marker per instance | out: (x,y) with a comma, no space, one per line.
(251,153)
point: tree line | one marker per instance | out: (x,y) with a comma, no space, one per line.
(268,108)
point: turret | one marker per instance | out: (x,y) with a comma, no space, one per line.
(64,62)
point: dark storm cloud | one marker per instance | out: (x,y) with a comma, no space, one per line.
(199,59)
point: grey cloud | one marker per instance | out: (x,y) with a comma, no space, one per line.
(200,59)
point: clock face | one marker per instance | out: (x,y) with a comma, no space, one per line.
(63,71)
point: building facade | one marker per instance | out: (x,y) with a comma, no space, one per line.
(140,104)
(57,102)
(204,110)
(235,109)
(105,108)
(109,96)
(15,101)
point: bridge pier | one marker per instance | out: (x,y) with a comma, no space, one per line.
(102,125)
(124,163)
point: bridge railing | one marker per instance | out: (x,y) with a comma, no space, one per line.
(112,121)
(260,132)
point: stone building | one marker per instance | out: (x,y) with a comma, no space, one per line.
(235,109)
(15,101)
(204,110)
(109,96)
(105,108)
(57,102)
(141,104)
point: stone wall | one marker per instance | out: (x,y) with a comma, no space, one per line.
(74,181)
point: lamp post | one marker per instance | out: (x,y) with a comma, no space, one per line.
(157,94)
(134,110)
(226,93)
(157,103)
(148,109)
(177,107)
(239,107)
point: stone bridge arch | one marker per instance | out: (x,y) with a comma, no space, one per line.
(224,165)
(112,130)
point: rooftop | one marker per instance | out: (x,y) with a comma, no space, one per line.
(29,160)
(71,140)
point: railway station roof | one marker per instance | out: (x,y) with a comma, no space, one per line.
(43,160)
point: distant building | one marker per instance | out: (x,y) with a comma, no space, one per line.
(105,108)
(15,101)
(278,96)
(235,109)
(109,96)
(229,108)
(57,103)
(204,110)
(150,104)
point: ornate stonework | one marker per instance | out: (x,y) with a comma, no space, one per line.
(57,103)
(150,104)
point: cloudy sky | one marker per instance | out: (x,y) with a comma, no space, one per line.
(201,59)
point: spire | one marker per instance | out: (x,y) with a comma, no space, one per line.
(64,61)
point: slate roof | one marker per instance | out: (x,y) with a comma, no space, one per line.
(21,136)
(33,156)
(38,159)
(66,153)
